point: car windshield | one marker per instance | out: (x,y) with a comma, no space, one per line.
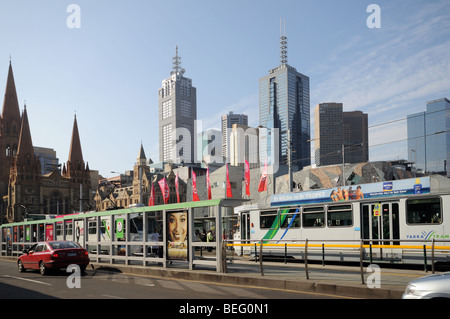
(63,244)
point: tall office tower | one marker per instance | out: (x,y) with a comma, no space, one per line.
(356,137)
(243,145)
(339,136)
(47,157)
(284,111)
(227,123)
(177,115)
(429,137)
(328,133)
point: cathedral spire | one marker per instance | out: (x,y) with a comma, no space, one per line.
(25,152)
(75,153)
(10,102)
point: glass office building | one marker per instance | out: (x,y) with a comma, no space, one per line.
(284,111)
(429,137)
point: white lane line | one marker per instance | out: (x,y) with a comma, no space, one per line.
(26,279)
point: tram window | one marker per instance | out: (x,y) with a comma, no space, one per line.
(340,215)
(313,217)
(69,228)
(290,218)
(58,230)
(92,228)
(424,211)
(268,219)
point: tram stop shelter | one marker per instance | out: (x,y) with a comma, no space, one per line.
(172,235)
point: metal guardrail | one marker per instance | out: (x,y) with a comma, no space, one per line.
(425,248)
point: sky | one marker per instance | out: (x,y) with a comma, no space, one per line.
(104,62)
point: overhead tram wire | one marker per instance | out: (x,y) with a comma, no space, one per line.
(389,142)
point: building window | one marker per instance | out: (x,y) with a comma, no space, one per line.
(167,141)
(167,109)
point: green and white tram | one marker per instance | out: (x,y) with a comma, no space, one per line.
(395,221)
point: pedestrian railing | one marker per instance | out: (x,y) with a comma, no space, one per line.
(362,251)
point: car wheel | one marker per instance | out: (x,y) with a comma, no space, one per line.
(20,266)
(42,269)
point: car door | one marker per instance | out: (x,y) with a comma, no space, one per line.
(27,258)
(37,256)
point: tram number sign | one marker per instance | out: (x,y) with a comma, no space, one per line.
(376,210)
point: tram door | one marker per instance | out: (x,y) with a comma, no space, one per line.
(380,226)
(245,232)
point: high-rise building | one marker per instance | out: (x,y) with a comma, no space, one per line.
(48,159)
(355,137)
(243,145)
(177,115)
(227,123)
(284,111)
(339,136)
(328,136)
(429,137)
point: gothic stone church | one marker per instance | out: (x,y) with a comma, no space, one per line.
(23,188)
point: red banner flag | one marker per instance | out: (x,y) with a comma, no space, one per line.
(194,187)
(229,193)
(263,181)
(208,184)
(247,178)
(151,201)
(164,189)
(176,188)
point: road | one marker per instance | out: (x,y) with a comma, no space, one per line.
(96,284)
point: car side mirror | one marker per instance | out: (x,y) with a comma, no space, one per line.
(25,251)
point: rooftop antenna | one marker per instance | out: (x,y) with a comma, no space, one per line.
(177,69)
(283,44)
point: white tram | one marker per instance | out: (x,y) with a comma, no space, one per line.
(392,220)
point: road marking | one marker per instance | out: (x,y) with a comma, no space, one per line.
(31,280)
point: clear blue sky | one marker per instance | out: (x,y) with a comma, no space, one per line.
(110,69)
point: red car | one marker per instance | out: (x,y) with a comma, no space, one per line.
(53,255)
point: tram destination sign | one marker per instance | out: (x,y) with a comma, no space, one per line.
(354,192)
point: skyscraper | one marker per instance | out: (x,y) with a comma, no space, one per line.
(328,137)
(284,111)
(429,137)
(356,136)
(227,123)
(338,133)
(177,115)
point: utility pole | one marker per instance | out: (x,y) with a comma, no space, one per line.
(343,165)
(289,159)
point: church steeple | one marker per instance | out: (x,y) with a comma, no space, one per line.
(75,153)
(10,122)
(10,102)
(142,159)
(25,153)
